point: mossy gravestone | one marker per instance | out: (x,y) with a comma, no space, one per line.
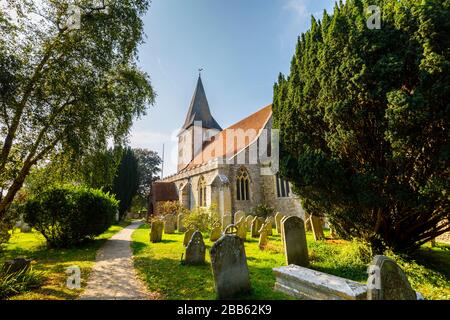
(156,231)
(216,232)
(180,223)
(238,216)
(249,221)
(256,226)
(387,281)
(278,218)
(169,224)
(229,265)
(195,250)
(295,246)
(241,226)
(188,235)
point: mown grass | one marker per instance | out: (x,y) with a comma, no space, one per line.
(159,265)
(52,263)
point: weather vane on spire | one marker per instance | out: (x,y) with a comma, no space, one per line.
(200,72)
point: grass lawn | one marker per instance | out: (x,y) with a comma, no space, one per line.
(53,262)
(159,265)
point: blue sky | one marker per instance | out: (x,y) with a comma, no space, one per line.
(242,46)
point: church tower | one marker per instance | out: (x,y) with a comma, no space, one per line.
(199,127)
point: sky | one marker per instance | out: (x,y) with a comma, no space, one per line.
(242,45)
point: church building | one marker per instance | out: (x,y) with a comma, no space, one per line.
(233,168)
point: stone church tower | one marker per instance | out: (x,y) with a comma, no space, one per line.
(199,126)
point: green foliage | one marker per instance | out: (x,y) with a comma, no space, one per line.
(126,182)
(19,282)
(202,218)
(172,207)
(70,214)
(63,90)
(263,211)
(148,166)
(364,122)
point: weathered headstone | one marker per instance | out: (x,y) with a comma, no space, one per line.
(317,229)
(216,232)
(387,281)
(249,221)
(180,223)
(169,224)
(256,226)
(229,265)
(278,217)
(263,237)
(268,224)
(156,231)
(238,216)
(188,234)
(295,246)
(242,229)
(195,250)
(281,229)
(226,221)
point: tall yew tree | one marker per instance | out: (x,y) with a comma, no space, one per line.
(66,87)
(364,118)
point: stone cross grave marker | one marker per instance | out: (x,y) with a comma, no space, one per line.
(216,232)
(156,231)
(295,246)
(195,250)
(387,281)
(229,265)
(169,224)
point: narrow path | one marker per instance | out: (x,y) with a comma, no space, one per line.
(113,276)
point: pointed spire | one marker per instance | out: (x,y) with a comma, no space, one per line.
(199,110)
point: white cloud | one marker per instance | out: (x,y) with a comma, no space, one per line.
(298,7)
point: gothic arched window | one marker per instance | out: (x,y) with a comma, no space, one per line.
(243,185)
(202,192)
(283,188)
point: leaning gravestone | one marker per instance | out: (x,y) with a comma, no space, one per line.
(278,218)
(195,250)
(317,229)
(216,232)
(180,223)
(268,224)
(226,221)
(249,221)
(169,224)
(242,229)
(229,265)
(263,237)
(254,230)
(295,246)
(238,216)
(188,234)
(387,281)
(156,231)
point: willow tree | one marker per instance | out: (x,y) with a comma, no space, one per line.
(364,117)
(68,81)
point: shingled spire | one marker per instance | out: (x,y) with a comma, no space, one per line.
(199,110)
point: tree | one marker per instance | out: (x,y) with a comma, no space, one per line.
(148,163)
(126,182)
(65,89)
(364,122)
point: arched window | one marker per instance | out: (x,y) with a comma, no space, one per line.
(283,188)
(243,185)
(202,192)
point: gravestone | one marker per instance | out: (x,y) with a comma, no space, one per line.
(238,216)
(256,226)
(195,250)
(295,246)
(156,231)
(169,224)
(387,281)
(268,224)
(226,221)
(180,223)
(229,265)
(242,229)
(281,229)
(278,217)
(216,232)
(263,237)
(249,220)
(317,229)
(188,234)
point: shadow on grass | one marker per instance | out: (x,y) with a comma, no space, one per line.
(436,259)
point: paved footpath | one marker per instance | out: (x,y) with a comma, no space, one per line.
(113,276)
